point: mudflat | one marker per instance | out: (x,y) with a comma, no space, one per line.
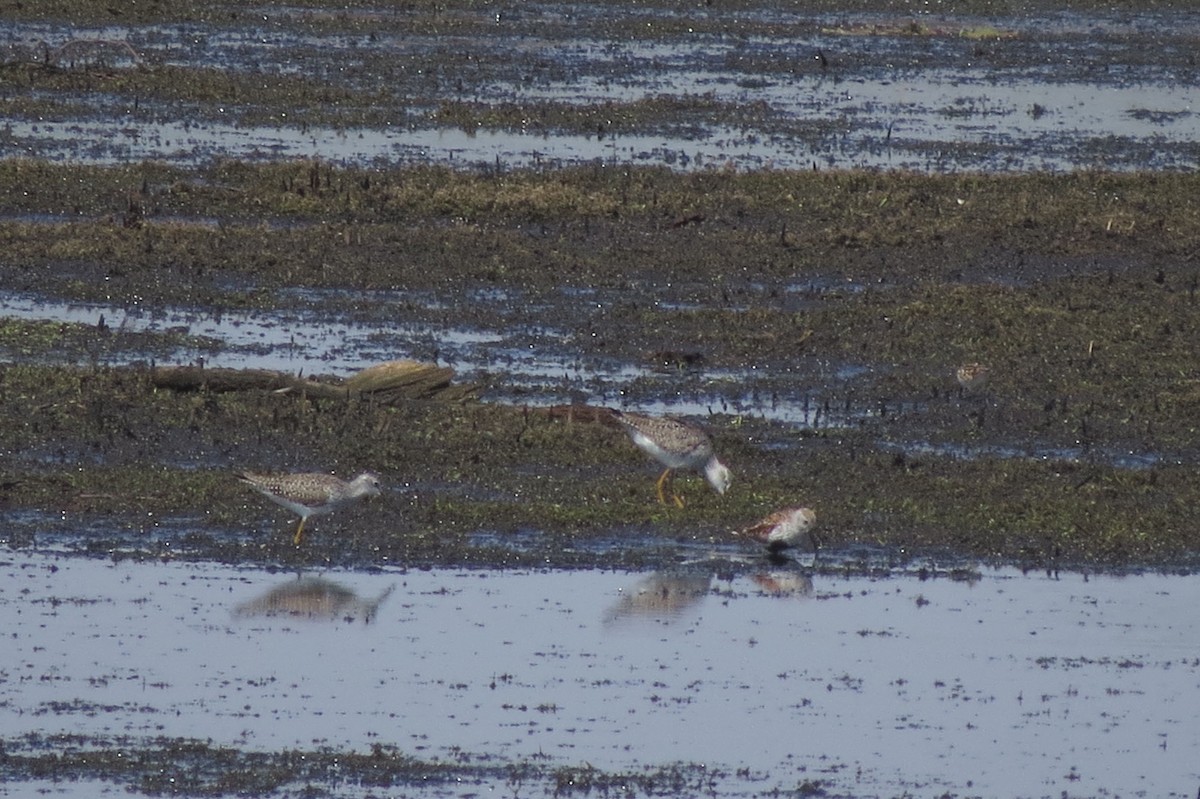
(812,317)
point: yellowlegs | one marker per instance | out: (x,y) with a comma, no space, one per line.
(972,376)
(783,529)
(676,445)
(663,596)
(311,494)
(314,598)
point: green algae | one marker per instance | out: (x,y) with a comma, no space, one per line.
(218,95)
(1076,214)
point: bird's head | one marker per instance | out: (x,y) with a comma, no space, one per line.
(718,475)
(366,485)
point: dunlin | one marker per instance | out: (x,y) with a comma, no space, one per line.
(783,529)
(972,376)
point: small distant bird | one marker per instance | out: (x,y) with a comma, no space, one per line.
(676,445)
(311,494)
(973,376)
(783,529)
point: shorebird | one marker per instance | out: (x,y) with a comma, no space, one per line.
(311,494)
(676,445)
(783,529)
(314,598)
(972,376)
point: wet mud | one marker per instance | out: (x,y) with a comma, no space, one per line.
(813,322)
(792,228)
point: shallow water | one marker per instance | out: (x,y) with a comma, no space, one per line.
(1008,685)
(342,332)
(516,362)
(1060,92)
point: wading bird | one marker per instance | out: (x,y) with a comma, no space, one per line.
(311,494)
(676,445)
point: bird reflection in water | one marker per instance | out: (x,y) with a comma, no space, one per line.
(663,596)
(313,598)
(784,583)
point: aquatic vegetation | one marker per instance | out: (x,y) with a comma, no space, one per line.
(1077,289)
(74,342)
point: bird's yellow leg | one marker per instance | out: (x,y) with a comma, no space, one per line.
(299,533)
(662,494)
(662,499)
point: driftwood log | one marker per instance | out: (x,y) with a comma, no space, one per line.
(391,382)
